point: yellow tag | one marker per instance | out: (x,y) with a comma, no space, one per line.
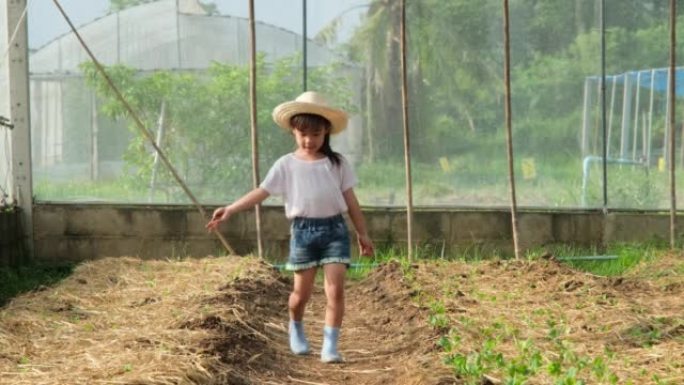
(661,164)
(529,170)
(444,162)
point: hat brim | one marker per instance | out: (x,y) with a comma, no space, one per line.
(283,113)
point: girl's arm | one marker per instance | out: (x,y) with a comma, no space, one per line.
(248,200)
(365,243)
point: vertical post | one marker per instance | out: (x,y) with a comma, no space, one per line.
(586,117)
(161,124)
(666,131)
(595,142)
(671,104)
(635,136)
(609,132)
(626,116)
(604,130)
(94,142)
(18,80)
(644,139)
(253,121)
(509,129)
(649,128)
(407,145)
(304,51)
(118,37)
(178,36)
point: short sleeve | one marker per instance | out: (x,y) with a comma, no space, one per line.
(347,175)
(275,182)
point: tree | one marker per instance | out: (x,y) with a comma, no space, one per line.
(118,5)
(207,136)
(455,53)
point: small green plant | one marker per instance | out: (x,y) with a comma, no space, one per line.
(562,364)
(438,318)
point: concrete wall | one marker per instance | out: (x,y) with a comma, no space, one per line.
(68,232)
(12,250)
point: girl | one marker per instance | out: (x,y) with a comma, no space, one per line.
(317,186)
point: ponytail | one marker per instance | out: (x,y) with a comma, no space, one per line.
(328,151)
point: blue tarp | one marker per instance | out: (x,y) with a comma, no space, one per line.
(644,77)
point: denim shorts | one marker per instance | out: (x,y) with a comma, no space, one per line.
(318,241)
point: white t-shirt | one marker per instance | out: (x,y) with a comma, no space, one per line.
(311,189)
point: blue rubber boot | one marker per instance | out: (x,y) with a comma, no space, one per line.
(329,353)
(298,343)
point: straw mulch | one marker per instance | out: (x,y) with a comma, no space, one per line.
(128,321)
(634,324)
(224,320)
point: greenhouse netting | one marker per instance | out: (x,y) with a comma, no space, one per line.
(183,65)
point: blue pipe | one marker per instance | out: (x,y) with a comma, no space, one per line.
(355,265)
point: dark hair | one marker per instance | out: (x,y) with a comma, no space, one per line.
(316,122)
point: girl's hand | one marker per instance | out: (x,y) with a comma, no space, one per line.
(365,245)
(220,215)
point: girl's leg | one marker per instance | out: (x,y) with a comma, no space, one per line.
(334,292)
(303,285)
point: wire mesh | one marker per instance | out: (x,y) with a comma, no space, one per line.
(192,57)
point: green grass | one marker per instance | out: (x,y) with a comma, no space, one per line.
(628,256)
(15,281)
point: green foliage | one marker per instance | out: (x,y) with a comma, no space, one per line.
(118,5)
(6,206)
(561,363)
(207,134)
(455,74)
(456,86)
(14,281)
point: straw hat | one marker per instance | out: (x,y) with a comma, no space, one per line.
(310,102)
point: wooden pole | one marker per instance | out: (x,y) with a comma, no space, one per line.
(509,130)
(407,145)
(305,52)
(253,121)
(671,110)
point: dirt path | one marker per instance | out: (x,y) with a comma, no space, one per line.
(385,338)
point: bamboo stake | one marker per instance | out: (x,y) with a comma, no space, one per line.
(407,145)
(140,125)
(673,76)
(253,121)
(509,130)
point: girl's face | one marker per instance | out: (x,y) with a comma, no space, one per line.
(309,140)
